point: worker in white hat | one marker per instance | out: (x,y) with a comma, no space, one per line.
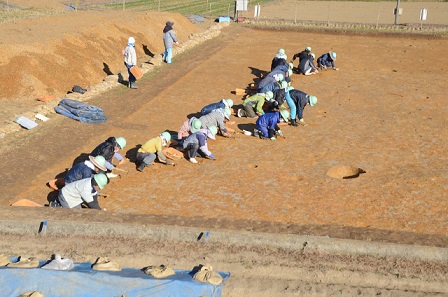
(130,60)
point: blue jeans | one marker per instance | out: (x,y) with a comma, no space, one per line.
(292,106)
(80,111)
(168,55)
(132,78)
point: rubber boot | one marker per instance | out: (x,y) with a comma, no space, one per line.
(133,86)
(141,167)
(293,123)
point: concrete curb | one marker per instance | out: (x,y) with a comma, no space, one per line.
(238,238)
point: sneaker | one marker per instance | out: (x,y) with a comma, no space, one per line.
(241,113)
(55,203)
(141,167)
(193,160)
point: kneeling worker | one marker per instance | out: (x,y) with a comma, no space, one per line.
(74,194)
(152,149)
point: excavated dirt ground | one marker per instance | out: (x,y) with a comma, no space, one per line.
(384,111)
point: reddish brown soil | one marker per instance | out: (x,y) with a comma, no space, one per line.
(384,112)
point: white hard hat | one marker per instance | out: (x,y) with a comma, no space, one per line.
(131,40)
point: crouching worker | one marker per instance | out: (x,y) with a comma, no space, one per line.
(74,194)
(189,127)
(297,100)
(196,144)
(109,149)
(327,60)
(216,118)
(152,149)
(267,125)
(86,169)
(223,104)
(253,106)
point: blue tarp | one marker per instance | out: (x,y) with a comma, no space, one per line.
(84,281)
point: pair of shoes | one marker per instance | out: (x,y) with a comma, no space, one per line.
(193,160)
(241,113)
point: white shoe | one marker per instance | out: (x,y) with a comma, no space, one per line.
(111,175)
(240,113)
(193,160)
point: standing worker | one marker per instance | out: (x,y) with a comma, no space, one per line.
(130,60)
(169,38)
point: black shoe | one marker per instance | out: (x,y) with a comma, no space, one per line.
(141,167)
(55,203)
(293,123)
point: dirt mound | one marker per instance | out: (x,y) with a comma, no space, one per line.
(344,171)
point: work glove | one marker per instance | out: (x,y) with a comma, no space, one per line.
(279,132)
(169,162)
(302,122)
(273,138)
(211,157)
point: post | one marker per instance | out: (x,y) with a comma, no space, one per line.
(397,11)
(295,15)
(228,11)
(124,4)
(158,8)
(423,14)
(328,17)
(378,17)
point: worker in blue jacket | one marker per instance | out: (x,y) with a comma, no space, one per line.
(327,60)
(297,100)
(218,105)
(267,124)
(86,169)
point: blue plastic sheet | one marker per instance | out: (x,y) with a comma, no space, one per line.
(86,282)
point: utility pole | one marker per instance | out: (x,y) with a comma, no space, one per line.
(397,11)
